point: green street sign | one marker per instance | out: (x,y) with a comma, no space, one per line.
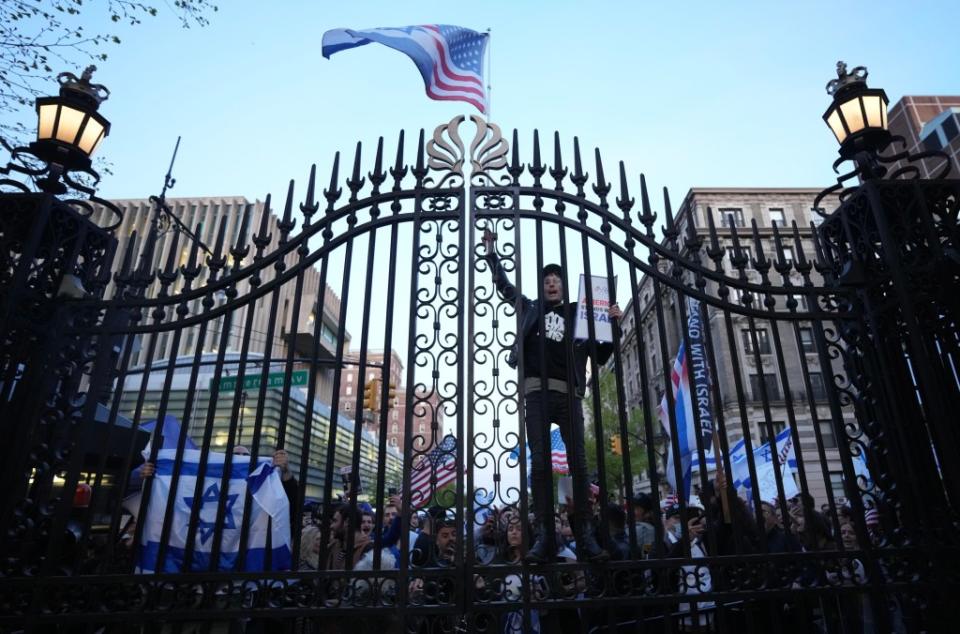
(274,380)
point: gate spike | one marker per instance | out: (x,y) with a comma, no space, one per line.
(310,205)
(169,273)
(355,182)
(820,263)
(262,239)
(240,249)
(801,263)
(558,172)
(715,251)
(647,217)
(399,170)
(760,262)
(537,169)
(377,176)
(515,168)
(781,265)
(420,171)
(217,261)
(692,240)
(670,231)
(602,187)
(332,194)
(624,202)
(191,269)
(578,178)
(287,224)
(739,259)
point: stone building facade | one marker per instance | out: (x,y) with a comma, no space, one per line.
(743,405)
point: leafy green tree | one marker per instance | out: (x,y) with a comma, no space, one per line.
(41,38)
(634,443)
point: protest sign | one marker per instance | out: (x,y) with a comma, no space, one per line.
(601,305)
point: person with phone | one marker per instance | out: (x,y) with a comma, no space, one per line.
(553,384)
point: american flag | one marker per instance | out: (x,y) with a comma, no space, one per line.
(558,453)
(450,58)
(683,416)
(433,470)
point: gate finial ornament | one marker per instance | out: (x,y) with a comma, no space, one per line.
(447,154)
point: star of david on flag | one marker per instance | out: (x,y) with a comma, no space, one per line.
(450,58)
(269,514)
(208,511)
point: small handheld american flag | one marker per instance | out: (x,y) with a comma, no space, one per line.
(558,453)
(433,471)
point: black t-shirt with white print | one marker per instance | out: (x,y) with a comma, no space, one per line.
(555,333)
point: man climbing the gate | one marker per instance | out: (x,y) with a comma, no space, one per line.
(550,355)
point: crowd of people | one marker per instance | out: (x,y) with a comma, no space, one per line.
(704,527)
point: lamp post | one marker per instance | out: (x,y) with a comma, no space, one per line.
(857,116)
(890,251)
(69,131)
(57,257)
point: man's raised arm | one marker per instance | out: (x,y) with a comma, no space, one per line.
(504,286)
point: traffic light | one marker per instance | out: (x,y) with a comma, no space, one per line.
(391,394)
(615,444)
(371,394)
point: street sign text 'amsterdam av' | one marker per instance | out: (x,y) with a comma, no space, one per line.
(274,379)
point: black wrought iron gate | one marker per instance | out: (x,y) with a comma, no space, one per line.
(360,332)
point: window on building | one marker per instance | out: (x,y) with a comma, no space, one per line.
(395,428)
(346,407)
(349,390)
(762,339)
(420,428)
(327,334)
(816,216)
(788,254)
(393,443)
(778,426)
(817,388)
(932,142)
(949,128)
(731,217)
(827,438)
(770,382)
(350,377)
(836,484)
(807,343)
(370,376)
(777,217)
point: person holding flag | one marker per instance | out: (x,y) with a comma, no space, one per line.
(553,384)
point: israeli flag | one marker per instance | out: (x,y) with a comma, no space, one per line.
(763,463)
(269,515)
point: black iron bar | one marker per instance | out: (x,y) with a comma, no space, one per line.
(804,268)
(377,177)
(353,184)
(419,172)
(216,264)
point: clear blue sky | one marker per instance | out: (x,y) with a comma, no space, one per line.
(692,94)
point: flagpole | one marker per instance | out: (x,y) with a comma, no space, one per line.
(489,89)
